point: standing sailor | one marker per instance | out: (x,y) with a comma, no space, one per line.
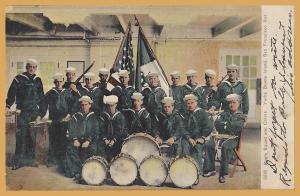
(102,83)
(192,87)
(153,95)
(124,91)
(177,91)
(210,91)
(233,85)
(210,95)
(57,100)
(75,89)
(94,92)
(71,77)
(26,90)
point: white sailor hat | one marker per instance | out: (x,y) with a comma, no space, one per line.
(89,75)
(32,62)
(232,66)
(210,73)
(232,97)
(103,71)
(151,74)
(191,72)
(85,98)
(58,76)
(137,96)
(175,73)
(168,100)
(123,73)
(190,97)
(111,99)
(71,70)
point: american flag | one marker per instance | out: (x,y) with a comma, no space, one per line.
(124,59)
(146,62)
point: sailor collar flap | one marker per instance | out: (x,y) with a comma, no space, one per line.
(231,84)
(114,116)
(86,117)
(54,89)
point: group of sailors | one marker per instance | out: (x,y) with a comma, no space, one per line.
(91,120)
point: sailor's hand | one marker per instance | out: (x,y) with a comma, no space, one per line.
(200,140)
(111,143)
(85,144)
(7,111)
(170,141)
(158,140)
(76,143)
(38,120)
(67,118)
(214,88)
(211,111)
(73,88)
(192,141)
(106,142)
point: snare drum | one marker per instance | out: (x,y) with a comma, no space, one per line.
(94,170)
(184,172)
(139,146)
(40,137)
(219,139)
(123,169)
(153,170)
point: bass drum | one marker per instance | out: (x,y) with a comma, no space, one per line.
(94,170)
(184,172)
(123,169)
(153,170)
(139,146)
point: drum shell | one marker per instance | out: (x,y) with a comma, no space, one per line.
(10,138)
(158,182)
(40,137)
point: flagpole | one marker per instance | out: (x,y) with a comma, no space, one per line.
(163,72)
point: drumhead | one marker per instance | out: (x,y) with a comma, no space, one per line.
(220,136)
(94,170)
(40,124)
(140,146)
(123,170)
(153,170)
(184,172)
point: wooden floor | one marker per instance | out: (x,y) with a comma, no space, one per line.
(43,178)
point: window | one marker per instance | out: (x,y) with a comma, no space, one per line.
(247,68)
(20,67)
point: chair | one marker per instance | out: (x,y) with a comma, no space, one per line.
(238,161)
